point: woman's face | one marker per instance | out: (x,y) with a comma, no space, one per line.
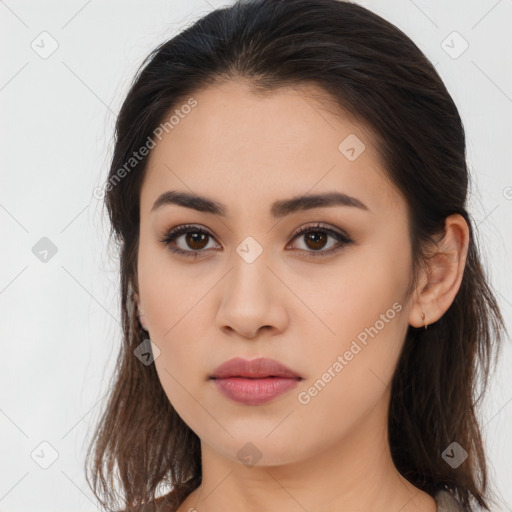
(254,288)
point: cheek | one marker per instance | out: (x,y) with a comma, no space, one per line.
(166,295)
(364,321)
(354,295)
(181,365)
(351,371)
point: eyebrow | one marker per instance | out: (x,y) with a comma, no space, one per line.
(280,208)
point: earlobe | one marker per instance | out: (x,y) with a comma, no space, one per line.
(140,312)
(142,320)
(442,279)
(424,319)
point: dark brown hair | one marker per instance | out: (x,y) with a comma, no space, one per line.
(375,72)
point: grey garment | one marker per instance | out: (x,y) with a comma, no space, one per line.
(446,502)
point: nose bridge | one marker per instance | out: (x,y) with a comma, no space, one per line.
(249,278)
(251,295)
(255,252)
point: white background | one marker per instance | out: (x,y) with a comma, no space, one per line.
(59,325)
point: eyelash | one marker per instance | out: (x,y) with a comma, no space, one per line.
(174,233)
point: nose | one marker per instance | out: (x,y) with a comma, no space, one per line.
(253,300)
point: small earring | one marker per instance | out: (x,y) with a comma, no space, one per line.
(423,318)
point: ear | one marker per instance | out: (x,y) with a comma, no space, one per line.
(140,312)
(440,282)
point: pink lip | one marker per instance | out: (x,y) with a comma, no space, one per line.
(255,381)
(253,368)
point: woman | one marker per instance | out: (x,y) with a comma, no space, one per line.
(304,308)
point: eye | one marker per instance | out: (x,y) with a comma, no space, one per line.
(194,237)
(195,240)
(316,237)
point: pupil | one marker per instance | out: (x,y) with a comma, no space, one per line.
(318,239)
(194,238)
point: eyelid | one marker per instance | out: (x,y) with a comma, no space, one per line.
(173,233)
(342,238)
(320,226)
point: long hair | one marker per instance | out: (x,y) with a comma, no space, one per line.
(373,71)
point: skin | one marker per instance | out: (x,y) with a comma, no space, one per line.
(247,151)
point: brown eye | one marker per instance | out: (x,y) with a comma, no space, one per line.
(317,237)
(195,240)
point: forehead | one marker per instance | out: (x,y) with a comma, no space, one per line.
(240,145)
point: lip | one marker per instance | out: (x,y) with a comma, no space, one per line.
(254,382)
(253,368)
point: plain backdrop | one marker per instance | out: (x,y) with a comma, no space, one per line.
(65,69)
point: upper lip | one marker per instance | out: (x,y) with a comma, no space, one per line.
(254,368)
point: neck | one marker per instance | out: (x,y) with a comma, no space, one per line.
(357,474)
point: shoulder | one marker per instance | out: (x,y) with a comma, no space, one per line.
(447,502)
(166,503)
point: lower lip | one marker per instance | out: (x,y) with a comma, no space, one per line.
(254,391)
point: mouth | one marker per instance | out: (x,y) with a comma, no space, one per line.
(259,377)
(255,377)
(254,391)
(260,368)
(254,382)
